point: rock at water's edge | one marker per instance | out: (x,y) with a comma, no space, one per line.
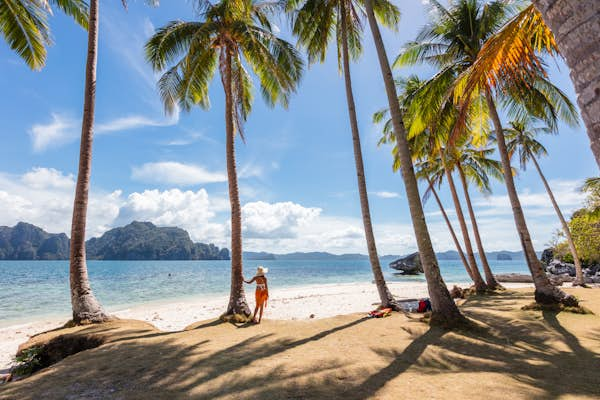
(409,265)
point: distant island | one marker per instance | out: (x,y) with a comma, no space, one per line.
(136,241)
(318,255)
(146,241)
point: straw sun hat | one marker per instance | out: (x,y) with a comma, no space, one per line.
(261,271)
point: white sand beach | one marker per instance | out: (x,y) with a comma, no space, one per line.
(294,303)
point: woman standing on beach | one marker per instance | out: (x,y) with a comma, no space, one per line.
(262,292)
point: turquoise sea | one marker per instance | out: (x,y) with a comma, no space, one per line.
(30,289)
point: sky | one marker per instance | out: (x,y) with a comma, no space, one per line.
(296,169)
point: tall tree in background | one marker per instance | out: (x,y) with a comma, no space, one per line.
(86,307)
(476,166)
(454,40)
(576,29)
(316,23)
(522,142)
(24,25)
(444,310)
(233,34)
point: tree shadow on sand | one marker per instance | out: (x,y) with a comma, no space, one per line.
(531,348)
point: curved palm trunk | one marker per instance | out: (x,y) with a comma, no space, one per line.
(477,279)
(576,29)
(578,270)
(459,249)
(445,312)
(545,292)
(384,294)
(237,298)
(85,306)
(489,276)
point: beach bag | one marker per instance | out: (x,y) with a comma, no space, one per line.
(424,306)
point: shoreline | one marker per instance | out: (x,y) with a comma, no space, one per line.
(289,303)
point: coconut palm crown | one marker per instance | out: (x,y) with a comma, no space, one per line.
(232,35)
(24,25)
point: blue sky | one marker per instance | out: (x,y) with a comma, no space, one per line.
(297,176)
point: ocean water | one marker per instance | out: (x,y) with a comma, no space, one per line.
(30,289)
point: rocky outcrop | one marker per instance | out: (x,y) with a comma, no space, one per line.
(560,272)
(503,257)
(28,242)
(547,256)
(136,241)
(409,265)
(146,241)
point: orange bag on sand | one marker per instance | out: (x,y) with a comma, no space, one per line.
(385,312)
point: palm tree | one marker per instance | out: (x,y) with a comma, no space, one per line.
(444,310)
(575,26)
(522,141)
(234,33)
(24,25)
(428,136)
(86,308)
(314,23)
(475,165)
(432,172)
(452,42)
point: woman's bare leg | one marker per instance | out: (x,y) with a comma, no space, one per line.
(262,307)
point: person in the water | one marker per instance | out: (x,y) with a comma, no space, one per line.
(262,292)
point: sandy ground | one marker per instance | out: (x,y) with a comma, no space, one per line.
(294,303)
(514,354)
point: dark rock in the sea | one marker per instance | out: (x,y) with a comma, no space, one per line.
(503,257)
(547,256)
(28,242)
(409,265)
(514,278)
(557,267)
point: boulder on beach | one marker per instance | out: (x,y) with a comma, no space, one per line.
(409,265)
(547,256)
(556,267)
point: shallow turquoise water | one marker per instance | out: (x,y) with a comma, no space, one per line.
(40,288)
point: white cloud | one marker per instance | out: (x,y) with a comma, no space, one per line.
(192,211)
(44,196)
(176,173)
(386,195)
(135,122)
(276,220)
(59,131)
(63,129)
(536,204)
(42,178)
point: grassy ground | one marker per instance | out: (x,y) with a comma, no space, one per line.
(520,355)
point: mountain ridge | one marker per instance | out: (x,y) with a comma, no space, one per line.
(135,241)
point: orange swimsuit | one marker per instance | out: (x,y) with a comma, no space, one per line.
(261,295)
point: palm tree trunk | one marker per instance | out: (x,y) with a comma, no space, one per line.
(237,298)
(576,27)
(459,249)
(489,276)
(545,292)
(384,294)
(86,307)
(579,280)
(445,312)
(480,285)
